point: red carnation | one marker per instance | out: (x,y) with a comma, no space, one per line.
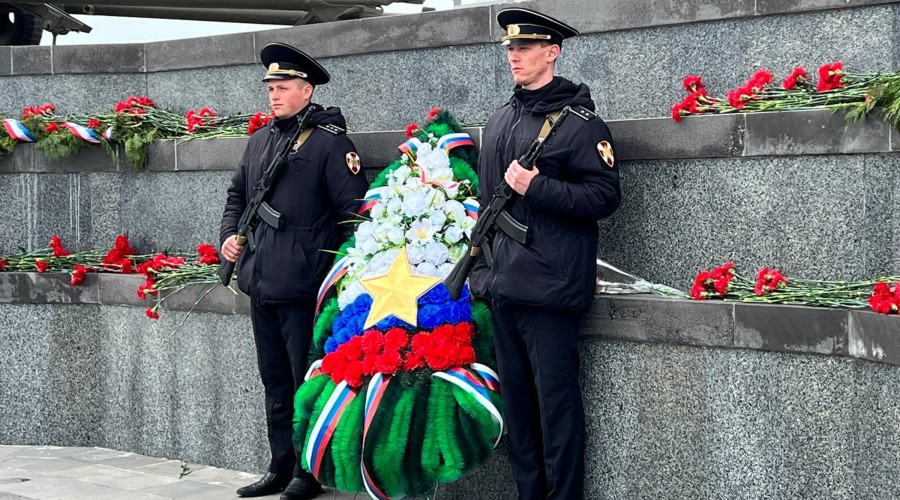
(760,79)
(151,313)
(882,300)
(768,280)
(411,130)
(208,254)
(396,339)
(258,121)
(372,342)
(692,83)
(41,266)
(93,123)
(830,76)
(389,362)
(677,108)
(797,76)
(713,284)
(51,128)
(56,246)
(78,275)
(433,113)
(3,264)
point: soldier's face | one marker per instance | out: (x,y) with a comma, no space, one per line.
(288,97)
(531,63)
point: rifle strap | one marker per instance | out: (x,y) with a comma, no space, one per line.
(547,124)
(301,140)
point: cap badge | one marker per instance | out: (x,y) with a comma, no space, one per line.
(513,30)
(353,163)
(274,67)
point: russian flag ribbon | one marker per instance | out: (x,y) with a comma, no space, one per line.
(450,141)
(108,133)
(372,197)
(326,424)
(471,205)
(314,369)
(17,131)
(82,132)
(374,393)
(465,380)
(490,377)
(337,272)
(409,147)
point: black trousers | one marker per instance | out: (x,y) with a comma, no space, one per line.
(283,334)
(537,354)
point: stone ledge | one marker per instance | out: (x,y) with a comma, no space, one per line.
(794,329)
(789,133)
(465,26)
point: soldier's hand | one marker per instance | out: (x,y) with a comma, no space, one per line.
(518,177)
(230,249)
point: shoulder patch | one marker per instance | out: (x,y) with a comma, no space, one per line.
(334,129)
(353,162)
(584,113)
(606,153)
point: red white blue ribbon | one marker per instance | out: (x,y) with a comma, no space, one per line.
(17,131)
(337,272)
(107,134)
(450,141)
(471,205)
(374,393)
(327,422)
(409,147)
(314,369)
(372,197)
(465,380)
(82,132)
(490,377)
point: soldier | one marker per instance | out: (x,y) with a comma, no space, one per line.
(320,187)
(539,290)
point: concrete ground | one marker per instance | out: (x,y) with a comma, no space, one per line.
(49,472)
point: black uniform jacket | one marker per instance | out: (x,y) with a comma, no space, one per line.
(316,190)
(576,187)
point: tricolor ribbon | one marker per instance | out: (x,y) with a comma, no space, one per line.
(326,424)
(450,141)
(465,380)
(490,377)
(374,393)
(314,369)
(409,147)
(108,133)
(337,272)
(17,131)
(471,205)
(372,197)
(82,132)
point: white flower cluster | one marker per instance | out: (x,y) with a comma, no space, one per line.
(420,208)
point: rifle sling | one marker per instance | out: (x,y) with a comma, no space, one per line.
(513,228)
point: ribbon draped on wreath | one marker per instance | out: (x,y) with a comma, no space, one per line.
(404,394)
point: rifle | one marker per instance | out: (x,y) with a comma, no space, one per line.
(257,209)
(495,216)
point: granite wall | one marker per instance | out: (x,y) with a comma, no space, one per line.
(664,419)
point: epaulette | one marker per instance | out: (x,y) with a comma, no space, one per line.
(334,129)
(584,113)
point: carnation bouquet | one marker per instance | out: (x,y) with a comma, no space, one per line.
(404,395)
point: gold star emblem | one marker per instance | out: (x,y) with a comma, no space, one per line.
(513,30)
(397,292)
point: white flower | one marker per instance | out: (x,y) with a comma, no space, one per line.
(380,263)
(444,269)
(396,236)
(420,231)
(437,218)
(453,234)
(455,210)
(378,211)
(349,294)
(414,203)
(426,269)
(415,253)
(436,253)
